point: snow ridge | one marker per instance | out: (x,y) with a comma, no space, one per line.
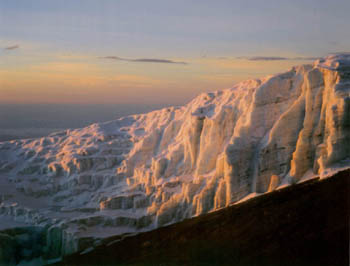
(145,171)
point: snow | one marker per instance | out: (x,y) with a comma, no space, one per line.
(248,197)
(334,61)
(8,223)
(145,171)
(88,250)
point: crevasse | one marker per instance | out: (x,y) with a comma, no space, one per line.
(144,171)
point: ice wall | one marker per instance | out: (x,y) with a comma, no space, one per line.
(148,170)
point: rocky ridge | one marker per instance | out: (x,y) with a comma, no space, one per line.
(145,171)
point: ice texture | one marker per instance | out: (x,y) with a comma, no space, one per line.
(149,170)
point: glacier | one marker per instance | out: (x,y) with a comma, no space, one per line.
(144,171)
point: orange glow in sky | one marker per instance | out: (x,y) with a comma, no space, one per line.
(93,80)
(155,51)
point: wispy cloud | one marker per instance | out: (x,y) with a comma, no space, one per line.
(306,58)
(267,58)
(275,58)
(12,47)
(144,60)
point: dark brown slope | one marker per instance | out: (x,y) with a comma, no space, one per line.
(305,224)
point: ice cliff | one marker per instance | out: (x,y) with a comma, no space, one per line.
(149,170)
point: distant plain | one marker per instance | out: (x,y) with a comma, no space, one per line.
(19,121)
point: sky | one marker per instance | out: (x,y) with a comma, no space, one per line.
(156,51)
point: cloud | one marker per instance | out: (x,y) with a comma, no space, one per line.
(275,58)
(306,58)
(12,47)
(113,58)
(267,58)
(144,60)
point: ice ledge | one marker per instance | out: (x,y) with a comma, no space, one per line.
(334,61)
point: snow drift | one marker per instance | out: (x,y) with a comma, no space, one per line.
(145,171)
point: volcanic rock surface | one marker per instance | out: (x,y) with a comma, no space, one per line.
(144,171)
(300,225)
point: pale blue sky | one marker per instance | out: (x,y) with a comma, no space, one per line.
(61,43)
(179,28)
